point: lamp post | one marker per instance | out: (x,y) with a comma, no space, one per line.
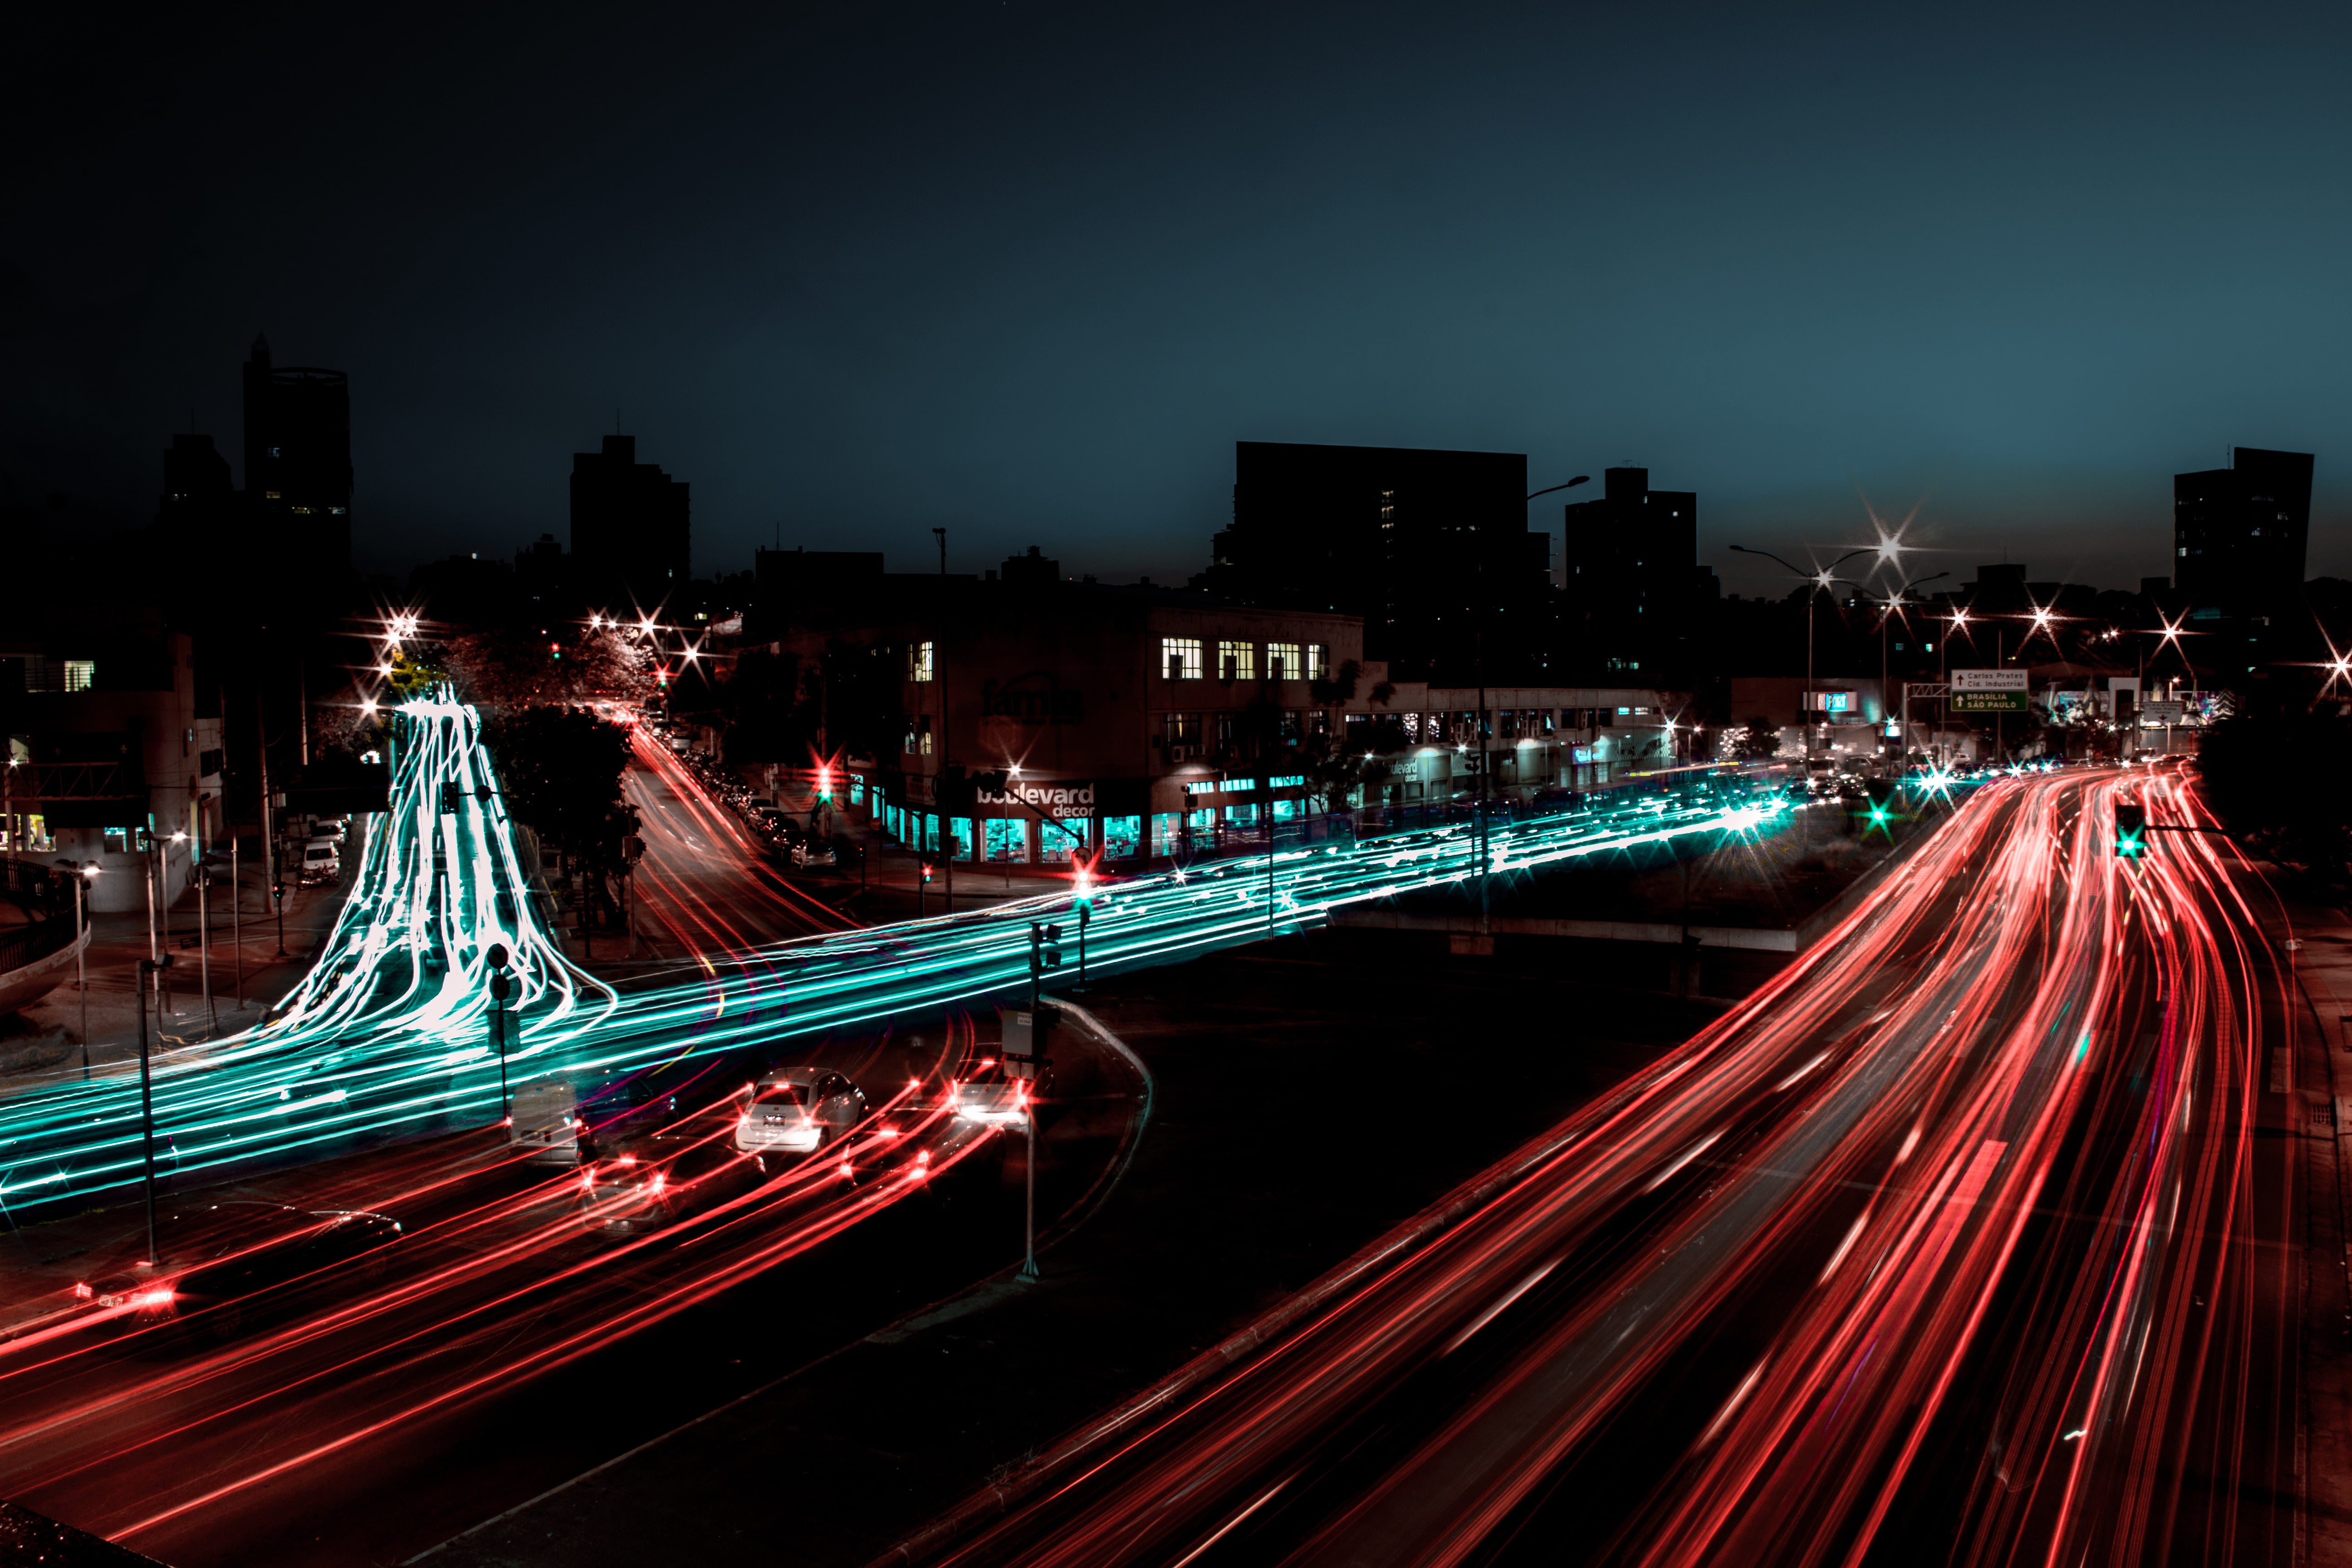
(1886,614)
(1818,580)
(147,967)
(84,874)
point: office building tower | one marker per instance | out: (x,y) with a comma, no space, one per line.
(630,535)
(1631,577)
(298,462)
(2239,534)
(1431,548)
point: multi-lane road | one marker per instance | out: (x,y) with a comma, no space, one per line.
(1961,1241)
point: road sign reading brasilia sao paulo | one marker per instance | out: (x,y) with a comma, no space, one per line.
(1988,691)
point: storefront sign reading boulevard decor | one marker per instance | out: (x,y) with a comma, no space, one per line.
(1054,800)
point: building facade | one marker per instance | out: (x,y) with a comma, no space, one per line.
(1633,587)
(1431,550)
(2240,534)
(298,463)
(1043,720)
(114,747)
(631,527)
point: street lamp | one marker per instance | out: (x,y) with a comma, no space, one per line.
(1886,614)
(1820,581)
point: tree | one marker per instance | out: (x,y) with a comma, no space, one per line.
(512,669)
(2275,780)
(1760,742)
(561,772)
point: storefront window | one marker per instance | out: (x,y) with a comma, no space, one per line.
(1058,840)
(1289,810)
(857,789)
(961,848)
(1008,838)
(1204,823)
(1180,658)
(1122,838)
(1165,829)
(1241,816)
(1283,663)
(1237,661)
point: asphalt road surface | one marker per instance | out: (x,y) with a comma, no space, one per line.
(705,887)
(1969,1238)
(522,1329)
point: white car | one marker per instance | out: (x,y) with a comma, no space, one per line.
(321,862)
(798,1110)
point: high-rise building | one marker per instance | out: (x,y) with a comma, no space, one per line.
(630,535)
(298,461)
(2240,534)
(1632,581)
(1431,548)
(197,492)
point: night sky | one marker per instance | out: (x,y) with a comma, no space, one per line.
(1029,270)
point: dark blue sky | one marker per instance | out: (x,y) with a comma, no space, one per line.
(1028,270)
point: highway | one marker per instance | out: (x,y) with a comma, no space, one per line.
(1959,1240)
(309,1434)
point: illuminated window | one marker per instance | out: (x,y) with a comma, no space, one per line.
(919,666)
(118,841)
(269,495)
(1320,662)
(1181,657)
(1237,661)
(80,674)
(1181,728)
(300,510)
(918,735)
(1283,663)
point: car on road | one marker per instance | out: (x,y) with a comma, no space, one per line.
(221,1266)
(807,852)
(654,1179)
(323,862)
(798,1110)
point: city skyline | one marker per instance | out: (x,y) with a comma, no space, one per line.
(1029,273)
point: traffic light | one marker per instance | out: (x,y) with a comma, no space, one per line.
(1882,802)
(825,783)
(450,795)
(2131,829)
(1044,947)
(927,873)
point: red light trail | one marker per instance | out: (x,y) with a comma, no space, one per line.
(1941,1236)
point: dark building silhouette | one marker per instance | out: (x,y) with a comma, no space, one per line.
(2239,534)
(298,461)
(1033,568)
(197,492)
(1431,548)
(1632,584)
(630,534)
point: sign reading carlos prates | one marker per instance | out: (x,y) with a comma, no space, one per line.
(1988,691)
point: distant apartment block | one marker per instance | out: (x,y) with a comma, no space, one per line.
(630,526)
(2240,535)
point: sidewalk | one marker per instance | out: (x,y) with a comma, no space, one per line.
(117,942)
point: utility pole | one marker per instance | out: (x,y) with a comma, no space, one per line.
(147,968)
(943,549)
(269,868)
(82,874)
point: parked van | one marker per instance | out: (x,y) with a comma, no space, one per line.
(323,862)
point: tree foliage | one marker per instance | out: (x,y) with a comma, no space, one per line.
(511,668)
(1761,741)
(560,771)
(2276,781)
